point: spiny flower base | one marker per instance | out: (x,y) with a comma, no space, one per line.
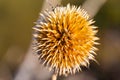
(65,39)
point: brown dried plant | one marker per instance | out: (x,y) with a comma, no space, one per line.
(65,39)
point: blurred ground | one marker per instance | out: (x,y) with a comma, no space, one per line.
(16,21)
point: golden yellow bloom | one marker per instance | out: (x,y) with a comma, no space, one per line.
(65,39)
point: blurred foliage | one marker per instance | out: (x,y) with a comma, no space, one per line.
(74,2)
(109,14)
(16,21)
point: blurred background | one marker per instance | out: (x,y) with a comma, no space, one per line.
(17,18)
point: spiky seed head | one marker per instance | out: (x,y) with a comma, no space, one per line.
(65,39)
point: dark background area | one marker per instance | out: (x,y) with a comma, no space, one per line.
(17,18)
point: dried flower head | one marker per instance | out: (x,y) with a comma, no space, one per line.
(65,39)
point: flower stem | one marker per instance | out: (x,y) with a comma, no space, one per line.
(54,77)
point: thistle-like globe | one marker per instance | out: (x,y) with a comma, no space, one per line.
(64,39)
